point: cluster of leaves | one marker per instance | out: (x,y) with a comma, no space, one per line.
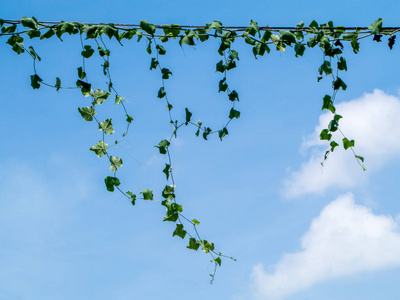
(326,37)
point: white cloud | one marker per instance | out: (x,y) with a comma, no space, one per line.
(373,122)
(344,239)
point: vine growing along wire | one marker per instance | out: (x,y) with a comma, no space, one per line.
(329,39)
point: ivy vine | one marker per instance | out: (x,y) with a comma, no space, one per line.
(328,38)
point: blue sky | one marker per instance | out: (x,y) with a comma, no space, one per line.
(298,231)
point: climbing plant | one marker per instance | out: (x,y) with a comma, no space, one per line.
(22,34)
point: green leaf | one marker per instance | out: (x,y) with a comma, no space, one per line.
(333,145)
(359,157)
(218,260)
(338,83)
(154,63)
(174,30)
(188,39)
(35,79)
(88,52)
(276,39)
(129,34)
(9,29)
(217,25)
(207,246)
(230,65)
(313,24)
(222,85)
(34,54)
(266,36)
(299,49)
(355,45)
(147,27)
(111,182)
(147,194)
(100,96)
(250,41)
(1,22)
(85,87)
(132,196)
(325,68)
(333,125)
(161,50)
(179,231)
(233,96)
(58,84)
(33,33)
(376,26)
(105,66)
(188,115)
(221,67)
(347,144)
(254,29)
(108,30)
(148,49)
(313,41)
(115,162)
(17,44)
(193,244)
(329,24)
(287,37)
(392,41)
(161,93)
(118,99)
(87,113)
(333,51)
(325,135)
(173,210)
(342,64)
(259,49)
(166,170)
(64,27)
(234,55)
(234,114)
(337,117)
(103,52)
(139,36)
(328,104)
(202,34)
(168,193)
(81,74)
(162,146)
(100,148)
(196,222)
(29,22)
(129,119)
(325,156)
(165,73)
(325,44)
(106,126)
(223,132)
(91,31)
(206,132)
(349,37)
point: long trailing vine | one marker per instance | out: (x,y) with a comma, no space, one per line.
(328,38)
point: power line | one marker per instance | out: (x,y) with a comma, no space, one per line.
(239,28)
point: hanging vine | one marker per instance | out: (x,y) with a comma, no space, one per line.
(328,38)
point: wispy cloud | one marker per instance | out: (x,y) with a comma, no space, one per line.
(373,122)
(344,239)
